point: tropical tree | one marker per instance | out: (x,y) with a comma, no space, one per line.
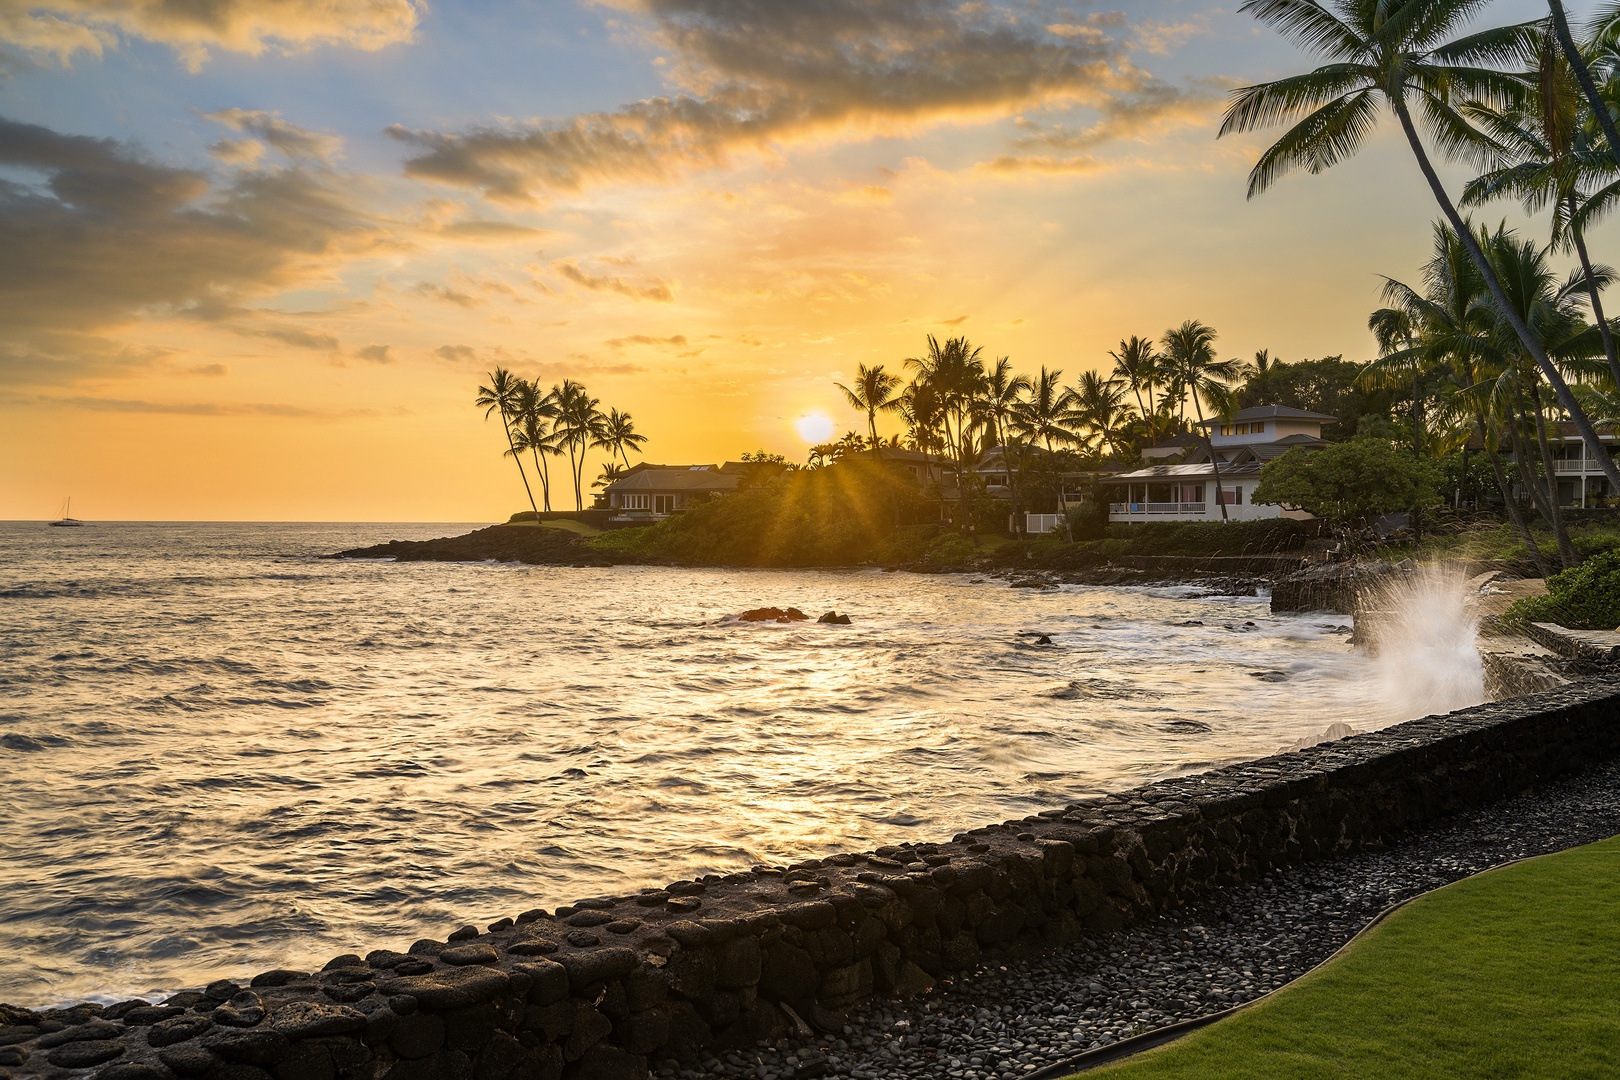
(533,433)
(1138,363)
(618,435)
(1189,351)
(1392,52)
(874,392)
(502,395)
(1048,414)
(579,423)
(1349,483)
(611,471)
(953,374)
(1100,406)
(1000,397)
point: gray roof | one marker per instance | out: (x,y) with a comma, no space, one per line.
(676,478)
(1184,472)
(1269,412)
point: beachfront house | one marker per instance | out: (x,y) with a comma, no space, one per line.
(1580,478)
(1242,444)
(646,493)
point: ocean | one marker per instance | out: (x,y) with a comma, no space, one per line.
(221,753)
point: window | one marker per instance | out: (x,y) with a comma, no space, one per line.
(1190,493)
(635,502)
(1231,496)
(1257,427)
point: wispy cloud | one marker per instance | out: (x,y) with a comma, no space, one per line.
(296,142)
(195,408)
(750,75)
(654,290)
(64,28)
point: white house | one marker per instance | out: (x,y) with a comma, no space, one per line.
(1580,478)
(646,493)
(1242,443)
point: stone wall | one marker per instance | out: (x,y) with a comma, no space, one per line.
(599,988)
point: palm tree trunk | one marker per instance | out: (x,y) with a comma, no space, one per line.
(1214,462)
(1583,75)
(1509,503)
(1592,292)
(1566,550)
(1583,424)
(573,469)
(518,460)
(1531,485)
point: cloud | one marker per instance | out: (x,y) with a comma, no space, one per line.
(64,28)
(447,294)
(296,142)
(657,290)
(193,408)
(753,75)
(1152,107)
(376,354)
(457,354)
(677,341)
(107,236)
(295,336)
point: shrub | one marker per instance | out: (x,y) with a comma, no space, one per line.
(1265,537)
(1584,597)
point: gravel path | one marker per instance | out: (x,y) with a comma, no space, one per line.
(1008,1020)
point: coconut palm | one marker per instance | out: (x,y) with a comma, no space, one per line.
(1137,362)
(1605,24)
(1099,405)
(502,394)
(999,398)
(874,392)
(1541,152)
(1189,352)
(954,374)
(1048,414)
(618,436)
(611,471)
(578,423)
(533,432)
(1392,52)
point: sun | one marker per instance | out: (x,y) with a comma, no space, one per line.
(814,427)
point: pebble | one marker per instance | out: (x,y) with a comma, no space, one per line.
(1010,1019)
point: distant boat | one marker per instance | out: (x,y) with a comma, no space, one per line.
(67,520)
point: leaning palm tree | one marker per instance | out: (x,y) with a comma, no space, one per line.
(535,434)
(874,392)
(1392,52)
(1189,351)
(502,394)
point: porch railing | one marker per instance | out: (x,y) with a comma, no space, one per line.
(1144,508)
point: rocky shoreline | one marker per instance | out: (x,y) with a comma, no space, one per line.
(1012,1020)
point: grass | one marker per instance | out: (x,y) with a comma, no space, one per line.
(562,524)
(1515,973)
(1484,541)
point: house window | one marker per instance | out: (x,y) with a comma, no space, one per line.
(1231,496)
(635,502)
(1190,493)
(1258,427)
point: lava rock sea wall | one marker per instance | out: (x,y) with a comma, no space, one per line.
(598,989)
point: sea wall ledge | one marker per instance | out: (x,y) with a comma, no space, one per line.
(600,988)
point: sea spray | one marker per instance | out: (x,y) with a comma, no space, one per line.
(1421,628)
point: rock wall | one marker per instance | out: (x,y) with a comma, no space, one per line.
(599,988)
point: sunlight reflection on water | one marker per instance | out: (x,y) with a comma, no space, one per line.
(221,754)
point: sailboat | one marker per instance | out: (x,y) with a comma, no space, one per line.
(67,519)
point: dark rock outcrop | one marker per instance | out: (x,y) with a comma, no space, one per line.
(773,614)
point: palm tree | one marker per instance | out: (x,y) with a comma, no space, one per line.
(1189,351)
(611,471)
(618,435)
(1000,396)
(1099,404)
(1541,154)
(1385,51)
(502,394)
(534,434)
(1137,362)
(874,392)
(954,374)
(578,423)
(1049,412)
(1606,22)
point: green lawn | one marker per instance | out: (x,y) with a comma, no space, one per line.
(562,524)
(1515,973)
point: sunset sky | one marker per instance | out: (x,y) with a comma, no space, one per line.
(256,255)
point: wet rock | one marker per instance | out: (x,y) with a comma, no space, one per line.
(278,977)
(833,618)
(220,990)
(623,926)
(463,955)
(466,933)
(146,1015)
(82,1055)
(1269,676)
(582,939)
(17,1033)
(588,918)
(347,960)
(453,989)
(13,1056)
(311,1019)
(773,614)
(177,1030)
(599,966)
(189,1059)
(262,1046)
(95,1029)
(349,992)
(533,947)
(132,1070)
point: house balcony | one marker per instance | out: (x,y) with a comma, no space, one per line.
(1150,509)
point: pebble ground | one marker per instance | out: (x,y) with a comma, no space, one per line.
(1008,1020)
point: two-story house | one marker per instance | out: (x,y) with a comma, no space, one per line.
(1242,444)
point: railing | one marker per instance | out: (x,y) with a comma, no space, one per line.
(1564,467)
(1040,523)
(1142,508)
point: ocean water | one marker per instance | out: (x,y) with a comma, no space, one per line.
(220,753)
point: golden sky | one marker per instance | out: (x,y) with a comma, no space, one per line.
(255,257)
